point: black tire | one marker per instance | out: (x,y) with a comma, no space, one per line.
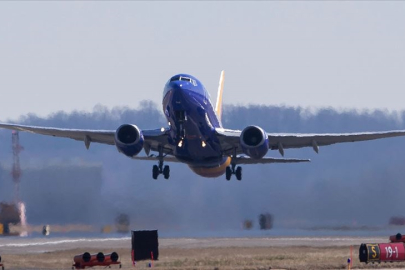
(238,173)
(228,173)
(155,171)
(166,172)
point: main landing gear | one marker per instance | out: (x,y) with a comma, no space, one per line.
(237,171)
(159,169)
(231,170)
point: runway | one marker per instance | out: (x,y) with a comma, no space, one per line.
(194,253)
(12,245)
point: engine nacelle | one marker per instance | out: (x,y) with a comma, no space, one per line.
(254,142)
(129,140)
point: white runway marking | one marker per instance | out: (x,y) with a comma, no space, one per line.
(19,245)
(66,241)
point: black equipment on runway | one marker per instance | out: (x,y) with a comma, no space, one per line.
(145,245)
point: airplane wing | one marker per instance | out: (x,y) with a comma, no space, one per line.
(153,138)
(314,140)
(99,136)
(266,160)
(229,139)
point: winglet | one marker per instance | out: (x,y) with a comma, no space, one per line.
(218,106)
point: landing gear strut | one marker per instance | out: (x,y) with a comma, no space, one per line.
(237,171)
(231,170)
(159,169)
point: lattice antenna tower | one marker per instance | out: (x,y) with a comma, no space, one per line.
(16,171)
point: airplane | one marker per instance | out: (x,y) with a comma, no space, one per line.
(195,135)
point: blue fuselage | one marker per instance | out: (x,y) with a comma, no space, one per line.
(192,119)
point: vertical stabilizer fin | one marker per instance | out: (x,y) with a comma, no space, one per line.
(218,106)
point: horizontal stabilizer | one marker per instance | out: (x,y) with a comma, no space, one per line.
(266,160)
(156,158)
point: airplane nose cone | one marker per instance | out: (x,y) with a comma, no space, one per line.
(176,86)
(177,89)
(178,96)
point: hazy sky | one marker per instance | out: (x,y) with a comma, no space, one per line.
(74,55)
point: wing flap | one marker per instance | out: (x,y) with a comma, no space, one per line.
(267,160)
(155,158)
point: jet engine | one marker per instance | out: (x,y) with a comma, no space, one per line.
(254,142)
(129,140)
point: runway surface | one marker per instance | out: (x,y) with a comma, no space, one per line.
(19,245)
(252,253)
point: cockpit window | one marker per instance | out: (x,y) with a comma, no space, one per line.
(181,78)
(185,79)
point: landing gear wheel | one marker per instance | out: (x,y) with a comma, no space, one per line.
(238,173)
(155,172)
(166,172)
(228,173)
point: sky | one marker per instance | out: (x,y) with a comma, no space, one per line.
(74,55)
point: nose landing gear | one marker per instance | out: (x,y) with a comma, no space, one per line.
(181,118)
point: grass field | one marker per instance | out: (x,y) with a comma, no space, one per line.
(212,258)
